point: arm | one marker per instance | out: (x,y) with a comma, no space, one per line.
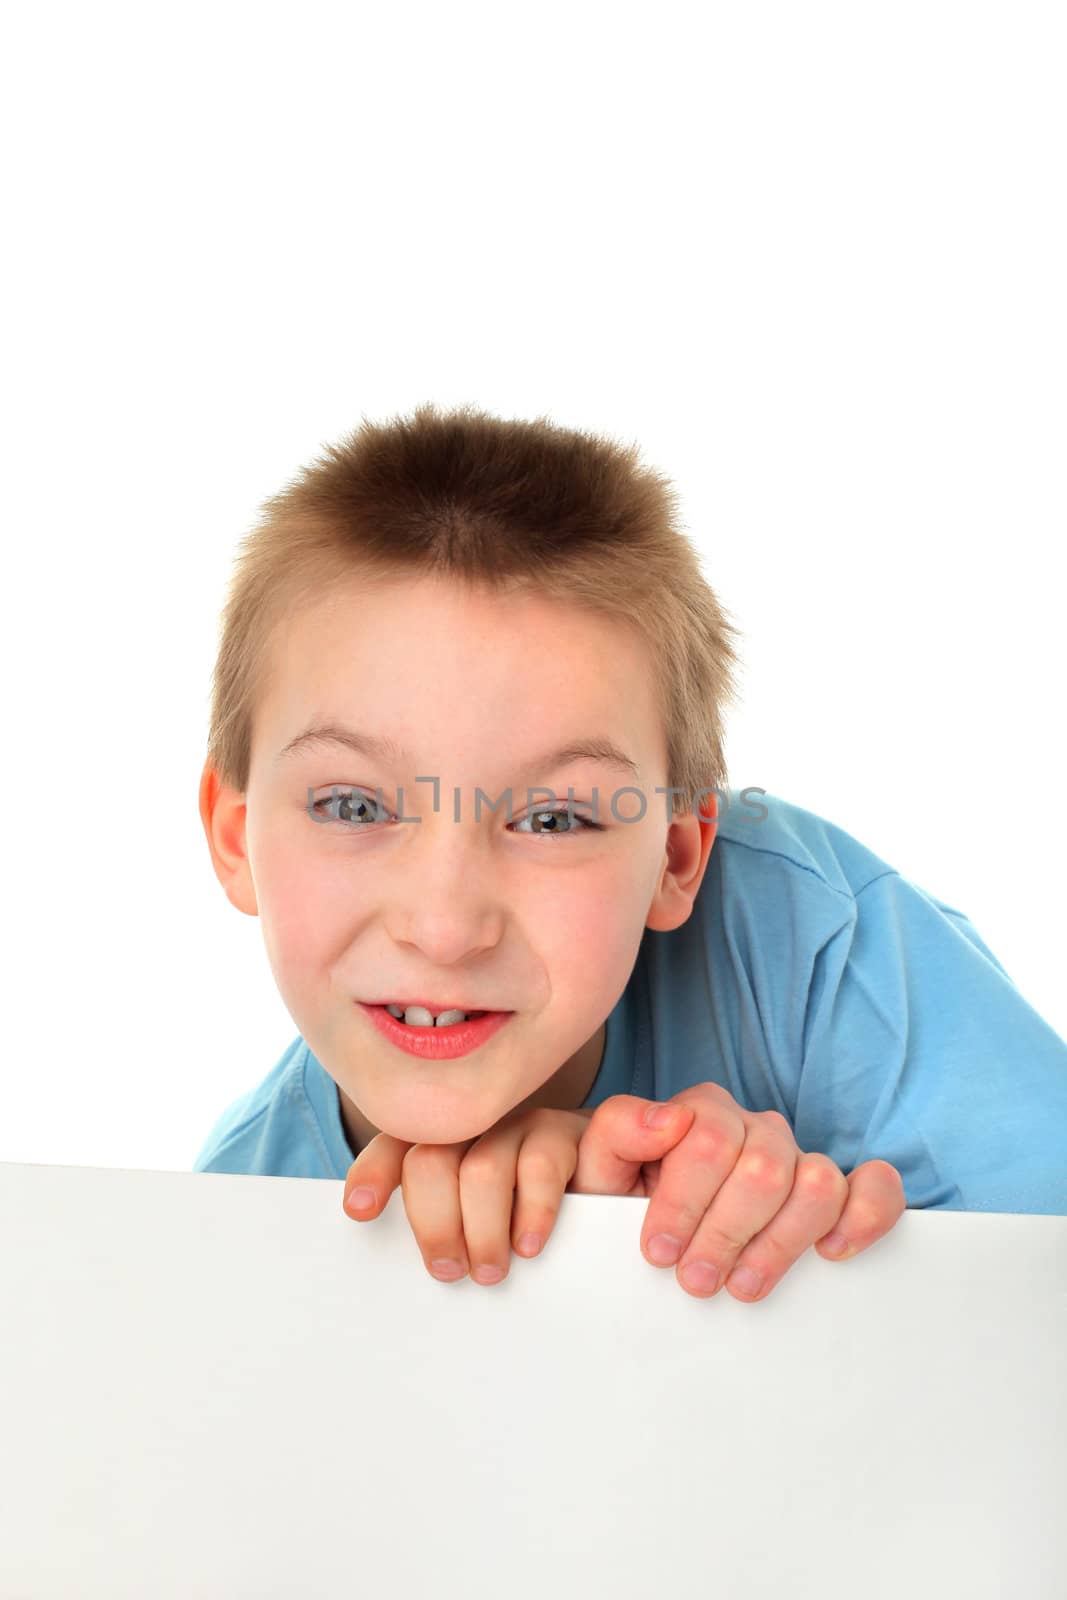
(919,1050)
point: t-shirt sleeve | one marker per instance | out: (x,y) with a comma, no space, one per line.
(919,1050)
(221,1132)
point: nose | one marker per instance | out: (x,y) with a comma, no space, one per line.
(443,891)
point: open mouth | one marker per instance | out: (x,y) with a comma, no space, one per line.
(416,1016)
(443,1037)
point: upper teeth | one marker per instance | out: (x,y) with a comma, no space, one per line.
(419,1017)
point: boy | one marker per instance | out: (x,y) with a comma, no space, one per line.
(443,621)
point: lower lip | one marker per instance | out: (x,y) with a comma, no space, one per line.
(437,1044)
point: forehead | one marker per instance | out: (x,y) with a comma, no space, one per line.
(417,655)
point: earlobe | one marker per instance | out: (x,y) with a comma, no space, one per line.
(222,812)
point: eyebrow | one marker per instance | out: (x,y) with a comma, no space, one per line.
(378,748)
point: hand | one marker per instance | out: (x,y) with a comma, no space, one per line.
(734,1193)
(470,1202)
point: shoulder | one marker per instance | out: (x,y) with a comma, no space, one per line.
(269,1130)
(767,838)
(794,881)
(789,903)
(780,883)
(770,845)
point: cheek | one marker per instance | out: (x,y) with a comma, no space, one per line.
(306,905)
(590,927)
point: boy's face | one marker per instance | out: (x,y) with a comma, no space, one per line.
(488,910)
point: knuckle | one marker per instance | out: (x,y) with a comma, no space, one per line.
(720,1243)
(709,1144)
(863,1220)
(677,1218)
(771,1260)
(717,1091)
(533,1219)
(819,1176)
(437,1243)
(776,1120)
(540,1168)
(481,1166)
(777,1253)
(764,1171)
(887,1175)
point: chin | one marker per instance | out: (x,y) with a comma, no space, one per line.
(442,1130)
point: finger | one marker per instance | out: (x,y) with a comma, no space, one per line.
(547,1159)
(819,1191)
(486,1199)
(430,1186)
(377,1168)
(511,1183)
(690,1175)
(618,1141)
(754,1190)
(876,1201)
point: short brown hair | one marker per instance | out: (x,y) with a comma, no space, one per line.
(498,504)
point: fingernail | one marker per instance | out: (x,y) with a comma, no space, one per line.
(660,1116)
(488,1274)
(529,1244)
(362,1199)
(745,1281)
(702,1276)
(448,1269)
(663,1249)
(834,1244)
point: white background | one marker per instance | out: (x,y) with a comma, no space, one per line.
(811,257)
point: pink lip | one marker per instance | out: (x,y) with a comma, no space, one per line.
(436,1044)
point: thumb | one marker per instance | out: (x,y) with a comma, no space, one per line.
(619,1140)
(377,1169)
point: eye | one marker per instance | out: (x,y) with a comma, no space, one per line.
(350,806)
(571,817)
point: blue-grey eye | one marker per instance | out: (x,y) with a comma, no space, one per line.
(551,816)
(351,806)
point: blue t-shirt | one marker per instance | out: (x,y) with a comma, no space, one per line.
(810,979)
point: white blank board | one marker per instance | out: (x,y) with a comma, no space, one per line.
(220,1385)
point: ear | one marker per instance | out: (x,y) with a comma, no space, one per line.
(222,811)
(689,841)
